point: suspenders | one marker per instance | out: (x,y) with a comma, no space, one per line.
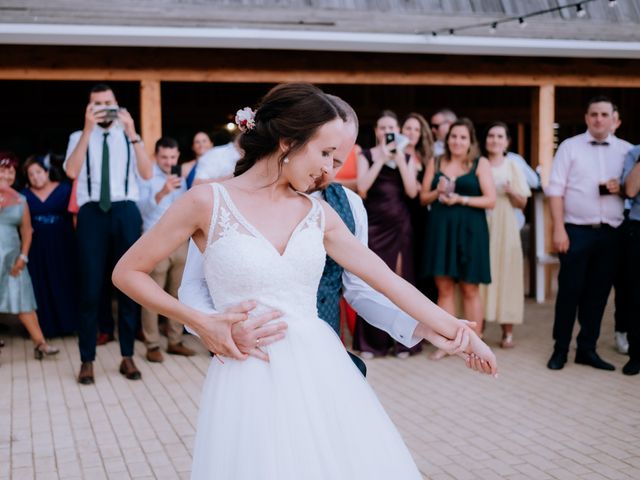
(126,176)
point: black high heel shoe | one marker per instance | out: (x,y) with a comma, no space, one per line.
(44,349)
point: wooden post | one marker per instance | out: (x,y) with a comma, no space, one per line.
(150,113)
(521,139)
(542,118)
(542,150)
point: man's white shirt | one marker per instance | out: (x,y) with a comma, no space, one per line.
(370,304)
(118,145)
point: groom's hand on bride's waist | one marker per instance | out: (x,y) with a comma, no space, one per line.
(256,332)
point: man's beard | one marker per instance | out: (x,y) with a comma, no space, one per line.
(106,124)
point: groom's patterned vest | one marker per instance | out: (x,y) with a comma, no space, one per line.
(331,281)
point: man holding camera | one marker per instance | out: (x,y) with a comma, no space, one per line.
(106,157)
(156,196)
(586,209)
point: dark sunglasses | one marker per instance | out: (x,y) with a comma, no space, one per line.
(435,126)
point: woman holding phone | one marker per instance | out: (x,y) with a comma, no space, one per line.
(387,182)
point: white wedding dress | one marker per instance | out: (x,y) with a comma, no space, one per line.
(308,414)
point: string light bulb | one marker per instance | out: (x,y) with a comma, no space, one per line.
(522,23)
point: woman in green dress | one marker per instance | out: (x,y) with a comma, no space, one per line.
(459,187)
(16,291)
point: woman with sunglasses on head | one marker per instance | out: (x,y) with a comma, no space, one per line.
(421,148)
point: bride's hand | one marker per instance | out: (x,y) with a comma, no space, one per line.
(480,357)
(252,334)
(214,331)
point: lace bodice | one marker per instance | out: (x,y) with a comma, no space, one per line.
(241,264)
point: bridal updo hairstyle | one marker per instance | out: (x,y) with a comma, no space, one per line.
(290,111)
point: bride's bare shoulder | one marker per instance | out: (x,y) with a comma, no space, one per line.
(198,200)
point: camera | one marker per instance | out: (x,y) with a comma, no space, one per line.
(176,170)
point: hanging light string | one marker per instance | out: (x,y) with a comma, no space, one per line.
(520,19)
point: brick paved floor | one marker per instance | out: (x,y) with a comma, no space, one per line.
(531,423)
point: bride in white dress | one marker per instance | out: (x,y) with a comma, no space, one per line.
(307,413)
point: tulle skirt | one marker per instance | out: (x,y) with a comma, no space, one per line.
(308,414)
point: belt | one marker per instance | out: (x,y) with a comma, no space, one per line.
(591,226)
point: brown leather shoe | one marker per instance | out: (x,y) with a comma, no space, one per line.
(85,377)
(129,370)
(180,349)
(154,355)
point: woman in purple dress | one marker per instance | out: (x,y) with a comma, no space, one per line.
(387,181)
(52,265)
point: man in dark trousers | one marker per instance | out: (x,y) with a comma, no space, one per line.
(631,251)
(107,156)
(586,209)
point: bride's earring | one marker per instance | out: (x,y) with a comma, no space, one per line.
(286,160)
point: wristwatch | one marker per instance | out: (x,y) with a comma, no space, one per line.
(138,139)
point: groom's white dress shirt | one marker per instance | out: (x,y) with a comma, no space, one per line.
(370,304)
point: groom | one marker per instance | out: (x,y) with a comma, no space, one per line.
(374,307)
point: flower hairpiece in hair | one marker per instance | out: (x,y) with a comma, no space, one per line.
(246,119)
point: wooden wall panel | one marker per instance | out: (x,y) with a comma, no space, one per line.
(150,113)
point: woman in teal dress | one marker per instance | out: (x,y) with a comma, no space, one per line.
(16,291)
(459,187)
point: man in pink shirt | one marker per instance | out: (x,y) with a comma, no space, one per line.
(586,210)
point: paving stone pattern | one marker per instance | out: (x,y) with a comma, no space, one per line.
(530,423)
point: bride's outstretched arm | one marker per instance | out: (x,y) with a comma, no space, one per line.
(188,216)
(346,250)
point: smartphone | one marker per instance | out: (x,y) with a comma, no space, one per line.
(389,138)
(111,111)
(176,170)
(602,188)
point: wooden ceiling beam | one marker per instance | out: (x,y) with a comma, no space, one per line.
(21,62)
(326,77)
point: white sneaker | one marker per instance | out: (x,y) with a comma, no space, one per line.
(622,344)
